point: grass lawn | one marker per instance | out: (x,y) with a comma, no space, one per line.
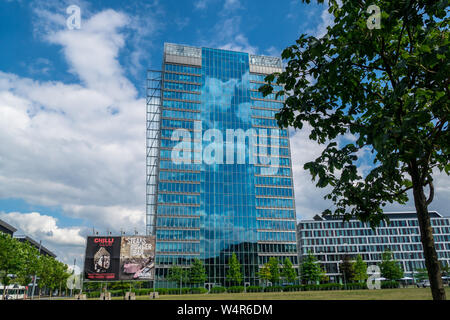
(384,294)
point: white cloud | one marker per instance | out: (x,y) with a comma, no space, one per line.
(93,51)
(441,184)
(239,42)
(326,20)
(112,217)
(201,4)
(44,227)
(272,51)
(230,5)
(227,35)
(78,146)
(308,198)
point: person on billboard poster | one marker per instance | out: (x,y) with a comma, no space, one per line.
(102,260)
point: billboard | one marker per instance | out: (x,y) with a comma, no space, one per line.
(120,258)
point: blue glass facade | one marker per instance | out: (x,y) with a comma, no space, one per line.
(219,200)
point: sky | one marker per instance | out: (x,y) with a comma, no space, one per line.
(72,106)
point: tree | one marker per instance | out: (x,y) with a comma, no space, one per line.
(387,89)
(178,275)
(48,274)
(12,259)
(61,275)
(264,273)
(390,268)
(347,268)
(310,269)
(274,270)
(288,272)
(234,274)
(197,273)
(359,269)
(420,275)
(31,263)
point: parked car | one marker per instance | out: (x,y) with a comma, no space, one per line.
(423,284)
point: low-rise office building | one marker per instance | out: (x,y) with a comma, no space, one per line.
(7,228)
(43,250)
(330,239)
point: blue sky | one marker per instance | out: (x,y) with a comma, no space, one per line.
(72,107)
(263,27)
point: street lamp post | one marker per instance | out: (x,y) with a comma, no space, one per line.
(74,261)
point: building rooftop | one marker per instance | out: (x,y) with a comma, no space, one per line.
(7,227)
(184,54)
(35,244)
(391,215)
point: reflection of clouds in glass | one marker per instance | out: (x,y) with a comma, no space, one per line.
(236,145)
(226,107)
(213,152)
(244,83)
(219,227)
(219,93)
(244,111)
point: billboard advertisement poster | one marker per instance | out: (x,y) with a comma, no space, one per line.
(102,260)
(137,258)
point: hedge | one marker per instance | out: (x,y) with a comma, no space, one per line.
(240,289)
(198,290)
(390,284)
(295,287)
(273,289)
(93,294)
(356,286)
(255,289)
(325,286)
(217,290)
(235,289)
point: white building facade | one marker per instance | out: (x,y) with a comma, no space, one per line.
(330,239)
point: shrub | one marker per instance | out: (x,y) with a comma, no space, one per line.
(356,286)
(174,290)
(390,284)
(293,288)
(93,294)
(310,287)
(235,289)
(161,291)
(255,289)
(324,286)
(273,289)
(217,290)
(143,292)
(116,293)
(330,286)
(185,290)
(198,290)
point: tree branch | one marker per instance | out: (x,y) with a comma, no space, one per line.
(368,67)
(387,65)
(397,54)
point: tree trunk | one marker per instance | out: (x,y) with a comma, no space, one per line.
(427,238)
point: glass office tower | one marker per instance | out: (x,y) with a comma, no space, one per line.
(219,174)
